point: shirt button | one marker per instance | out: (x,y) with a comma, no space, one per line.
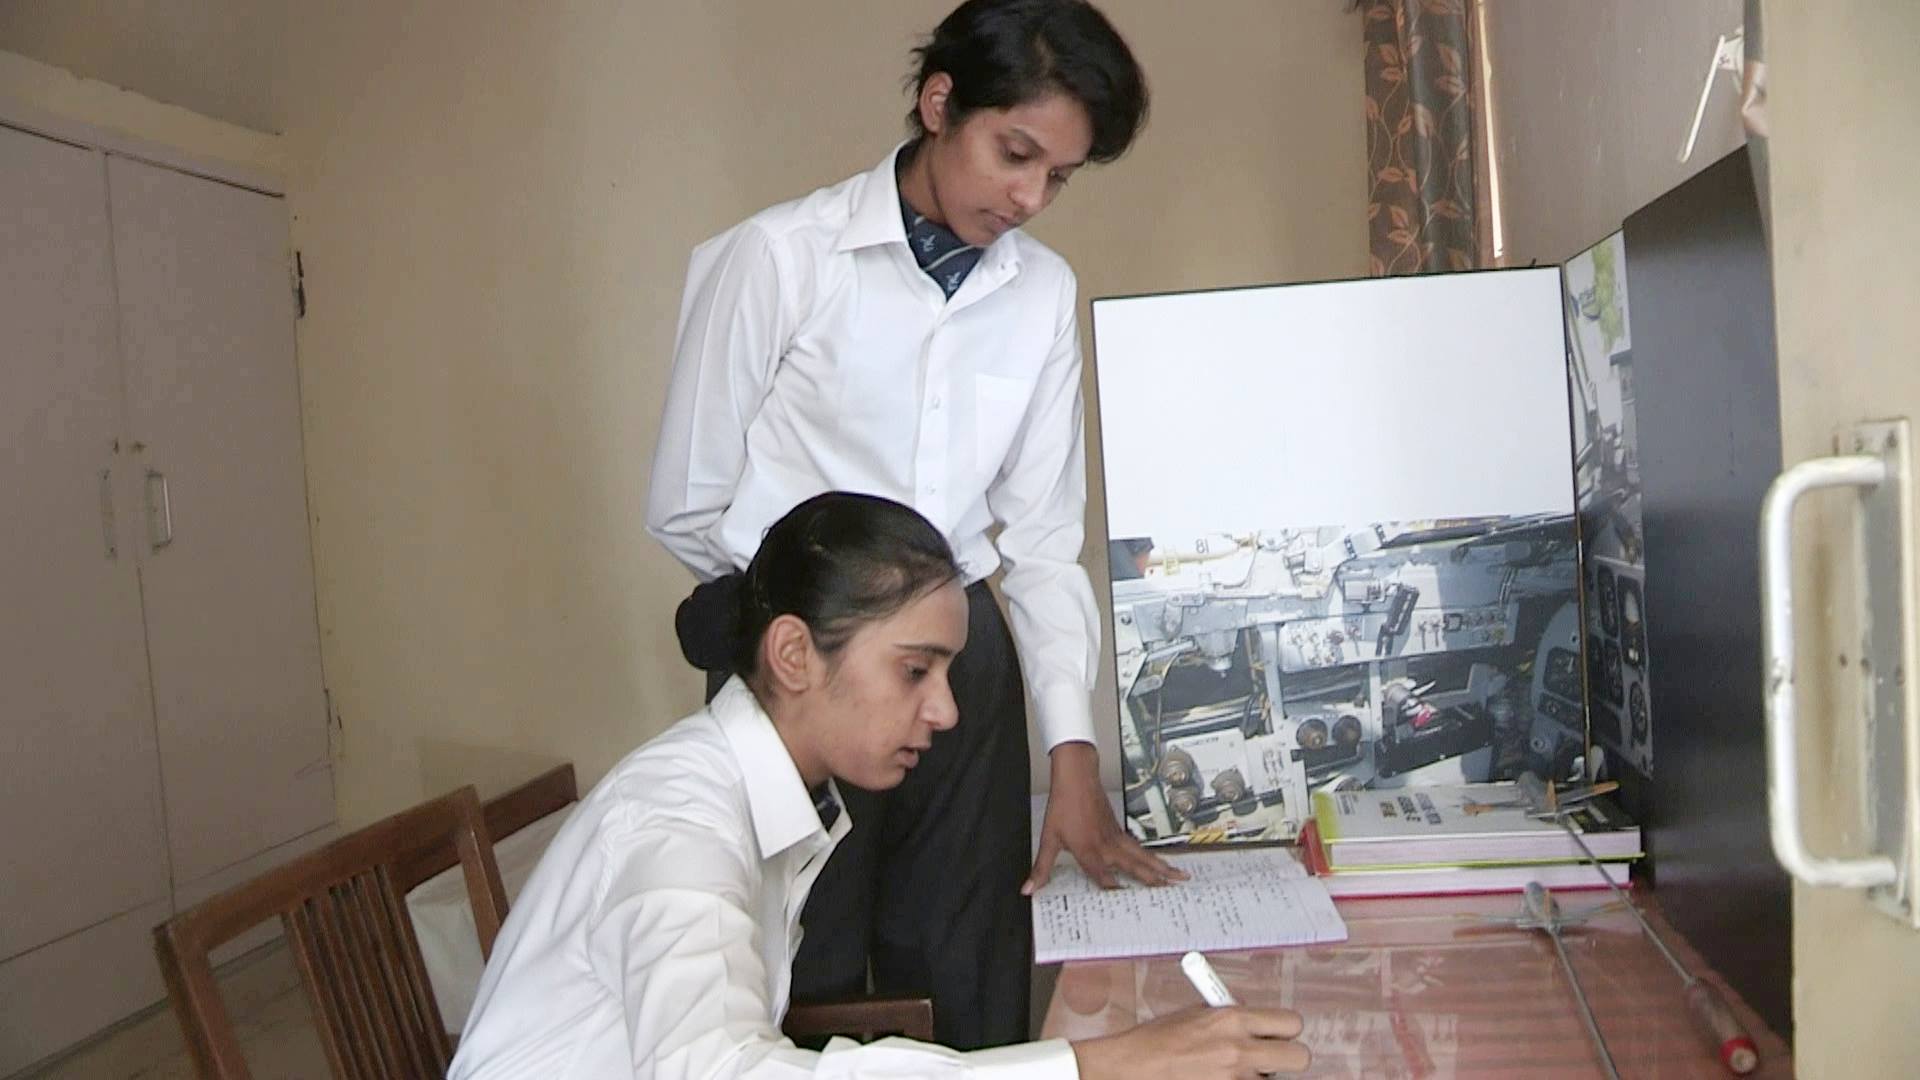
(936,401)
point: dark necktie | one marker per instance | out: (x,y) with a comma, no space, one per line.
(946,258)
(825,806)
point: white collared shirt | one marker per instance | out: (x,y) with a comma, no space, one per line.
(657,935)
(814,355)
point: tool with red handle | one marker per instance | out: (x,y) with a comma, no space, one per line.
(1712,1016)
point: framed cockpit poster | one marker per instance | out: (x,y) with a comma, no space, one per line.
(1606,453)
(1343,544)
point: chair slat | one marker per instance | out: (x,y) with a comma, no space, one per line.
(352,939)
(303,940)
(347,983)
(395,1005)
(383,1029)
(416,968)
(396,993)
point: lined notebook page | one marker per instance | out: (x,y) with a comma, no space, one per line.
(1238,899)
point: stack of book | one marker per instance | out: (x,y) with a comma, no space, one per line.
(1471,838)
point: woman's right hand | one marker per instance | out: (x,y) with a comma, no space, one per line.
(1199,1044)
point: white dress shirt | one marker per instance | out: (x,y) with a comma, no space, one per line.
(656,937)
(814,355)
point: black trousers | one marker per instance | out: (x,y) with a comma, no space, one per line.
(925,890)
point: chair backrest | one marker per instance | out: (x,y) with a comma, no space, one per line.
(551,791)
(505,814)
(346,921)
(864,1019)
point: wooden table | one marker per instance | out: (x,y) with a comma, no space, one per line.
(1421,989)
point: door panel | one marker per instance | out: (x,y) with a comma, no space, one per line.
(80,813)
(1845,147)
(63,992)
(213,397)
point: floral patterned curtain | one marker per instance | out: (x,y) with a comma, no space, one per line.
(1420,160)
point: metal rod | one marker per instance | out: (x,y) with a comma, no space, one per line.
(1586,1010)
(1620,894)
(1711,1013)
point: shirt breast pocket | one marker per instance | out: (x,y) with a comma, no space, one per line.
(999,406)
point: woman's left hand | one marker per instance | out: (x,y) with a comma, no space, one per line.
(1080,820)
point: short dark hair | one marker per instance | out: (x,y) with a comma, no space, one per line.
(1003,53)
(838,562)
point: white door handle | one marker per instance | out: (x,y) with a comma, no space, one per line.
(1776,602)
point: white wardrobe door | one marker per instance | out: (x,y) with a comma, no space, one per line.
(213,397)
(80,813)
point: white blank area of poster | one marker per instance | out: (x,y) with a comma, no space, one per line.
(1340,403)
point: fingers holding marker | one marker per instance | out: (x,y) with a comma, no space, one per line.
(1263,1039)
(1201,1044)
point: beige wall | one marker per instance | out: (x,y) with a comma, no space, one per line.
(495,213)
(223,59)
(495,205)
(47,98)
(1590,104)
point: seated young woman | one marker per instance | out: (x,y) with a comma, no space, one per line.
(657,934)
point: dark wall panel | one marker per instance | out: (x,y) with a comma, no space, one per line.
(1709,417)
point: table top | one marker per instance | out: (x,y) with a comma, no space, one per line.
(1424,987)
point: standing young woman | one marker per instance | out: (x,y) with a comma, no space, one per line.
(899,334)
(656,936)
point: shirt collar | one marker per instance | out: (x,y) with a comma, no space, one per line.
(876,219)
(876,211)
(783,811)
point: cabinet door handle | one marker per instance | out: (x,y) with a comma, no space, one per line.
(159,511)
(106,513)
(1859,471)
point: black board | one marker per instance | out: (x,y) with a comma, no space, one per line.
(1709,428)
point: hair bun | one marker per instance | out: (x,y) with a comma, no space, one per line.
(708,623)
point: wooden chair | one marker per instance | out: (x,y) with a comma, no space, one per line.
(344,908)
(346,921)
(549,793)
(865,1019)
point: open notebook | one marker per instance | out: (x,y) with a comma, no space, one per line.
(1243,898)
